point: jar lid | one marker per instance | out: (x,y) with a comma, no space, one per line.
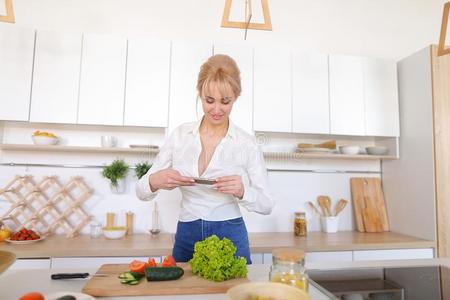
(300,213)
(288,254)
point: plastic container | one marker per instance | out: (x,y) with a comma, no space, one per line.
(288,267)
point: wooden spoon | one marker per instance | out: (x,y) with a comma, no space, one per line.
(314,208)
(340,206)
(324,203)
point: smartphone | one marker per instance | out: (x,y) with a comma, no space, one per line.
(204,181)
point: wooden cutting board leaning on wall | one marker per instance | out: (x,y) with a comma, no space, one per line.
(110,286)
(368,205)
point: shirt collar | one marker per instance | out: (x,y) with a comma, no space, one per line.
(230,133)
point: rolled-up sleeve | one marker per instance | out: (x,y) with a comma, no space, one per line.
(257,196)
(162,161)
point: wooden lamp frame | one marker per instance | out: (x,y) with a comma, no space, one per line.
(267,25)
(9,13)
(441,49)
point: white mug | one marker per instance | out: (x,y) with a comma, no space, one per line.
(109,141)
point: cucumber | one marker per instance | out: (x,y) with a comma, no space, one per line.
(131,278)
(163,273)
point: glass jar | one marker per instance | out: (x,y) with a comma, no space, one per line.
(288,267)
(96,230)
(300,228)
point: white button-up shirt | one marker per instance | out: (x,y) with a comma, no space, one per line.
(236,154)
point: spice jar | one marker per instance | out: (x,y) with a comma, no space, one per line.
(288,267)
(300,228)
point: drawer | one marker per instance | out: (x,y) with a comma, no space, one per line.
(393,254)
(31,263)
(93,262)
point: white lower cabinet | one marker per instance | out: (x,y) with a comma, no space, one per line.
(257,258)
(329,256)
(393,254)
(94,262)
(31,263)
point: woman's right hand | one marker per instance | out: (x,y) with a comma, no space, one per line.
(168,179)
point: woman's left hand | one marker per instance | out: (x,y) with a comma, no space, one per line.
(230,185)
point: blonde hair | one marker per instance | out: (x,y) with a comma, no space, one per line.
(222,70)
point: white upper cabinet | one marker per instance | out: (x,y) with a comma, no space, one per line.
(381,97)
(102,80)
(186,61)
(56,76)
(147,84)
(242,113)
(346,95)
(16,64)
(310,102)
(272,104)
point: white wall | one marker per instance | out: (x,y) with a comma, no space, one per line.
(381,28)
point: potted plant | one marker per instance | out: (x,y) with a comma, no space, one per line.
(142,168)
(116,173)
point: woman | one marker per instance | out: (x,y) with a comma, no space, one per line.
(212,148)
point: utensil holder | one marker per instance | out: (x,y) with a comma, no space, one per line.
(330,224)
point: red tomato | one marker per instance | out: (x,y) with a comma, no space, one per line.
(169,261)
(137,266)
(151,262)
(32,296)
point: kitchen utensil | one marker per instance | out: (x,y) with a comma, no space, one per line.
(188,284)
(377,150)
(349,150)
(58,276)
(110,216)
(340,206)
(328,144)
(130,217)
(108,141)
(314,208)
(372,222)
(324,204)
(114,232)
(368,187)
(155,220)
(330,224)
(266,290)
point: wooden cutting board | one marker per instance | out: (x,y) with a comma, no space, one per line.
(368,205)
(188,284)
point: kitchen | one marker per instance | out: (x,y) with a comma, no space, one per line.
(78,70)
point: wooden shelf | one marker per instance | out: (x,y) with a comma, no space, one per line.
(309,155)
(26,147)
(275,155)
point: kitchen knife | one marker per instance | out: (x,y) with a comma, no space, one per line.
(74,275)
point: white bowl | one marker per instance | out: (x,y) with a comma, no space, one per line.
(114,232)
(268,290)
(349,150)
(377,150)
(44,140)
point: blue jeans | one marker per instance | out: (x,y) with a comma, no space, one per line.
(188,233)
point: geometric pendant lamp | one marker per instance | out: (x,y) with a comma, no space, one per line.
(267,25)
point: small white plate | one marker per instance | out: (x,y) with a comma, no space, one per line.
(25,242)
(79,296)
(315,150)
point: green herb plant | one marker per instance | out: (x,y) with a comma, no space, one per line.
(117,170)
(142,169)
(214,260)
